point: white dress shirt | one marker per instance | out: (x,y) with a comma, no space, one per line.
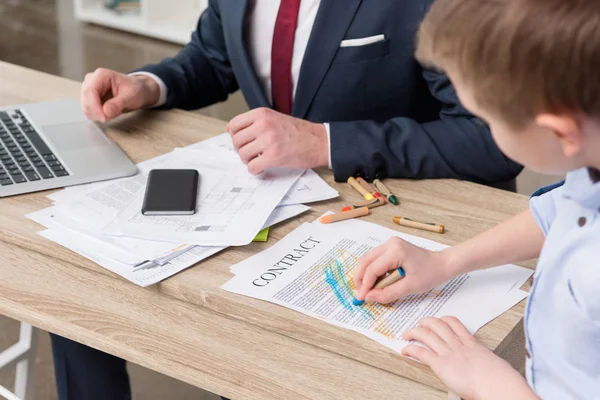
(260,25)
(260,21)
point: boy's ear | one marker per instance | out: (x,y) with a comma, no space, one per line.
(567,130)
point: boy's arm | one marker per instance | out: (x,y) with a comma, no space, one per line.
(466,366)
(517,239)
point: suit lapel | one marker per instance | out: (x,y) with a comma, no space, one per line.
(251,87)
(331,24)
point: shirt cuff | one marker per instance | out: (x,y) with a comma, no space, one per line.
(162,98)
(328,129)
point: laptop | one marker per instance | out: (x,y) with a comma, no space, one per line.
(52,144)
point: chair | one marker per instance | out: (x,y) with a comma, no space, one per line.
(22,355)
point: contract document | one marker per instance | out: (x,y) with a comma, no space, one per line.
(311,271)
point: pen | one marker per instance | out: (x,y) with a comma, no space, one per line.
(426,226)
(365,193)
(368,187)
(386,192)
(342,216)
(384,282)
(367,203)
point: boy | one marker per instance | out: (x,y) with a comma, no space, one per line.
(531,69)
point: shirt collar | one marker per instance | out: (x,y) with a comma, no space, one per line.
(581,188)
(594,174)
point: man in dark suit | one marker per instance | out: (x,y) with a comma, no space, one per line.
(330,83)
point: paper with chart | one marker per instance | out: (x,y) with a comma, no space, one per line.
(109,254)
(309,188)
(144,277)
(311,270)
(96,204)
(81,214)
(233,204)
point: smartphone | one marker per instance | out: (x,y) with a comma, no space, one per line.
(171,192)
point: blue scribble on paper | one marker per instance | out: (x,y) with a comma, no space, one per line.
(341,288)
(337,289)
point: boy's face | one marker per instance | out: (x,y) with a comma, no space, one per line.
(535,147)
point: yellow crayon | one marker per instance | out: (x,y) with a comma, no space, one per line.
(365,193)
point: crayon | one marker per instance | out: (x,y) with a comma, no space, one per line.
(365,193)
(384,282)
(386,192)
(367,203)
(342,216)
(426,226)
(368,187)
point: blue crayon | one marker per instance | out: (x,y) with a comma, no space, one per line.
(384,282)
(358,302)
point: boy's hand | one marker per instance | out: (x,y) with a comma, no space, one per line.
(467,367)
(424,270)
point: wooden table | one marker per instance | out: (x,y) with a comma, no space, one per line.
(188,328)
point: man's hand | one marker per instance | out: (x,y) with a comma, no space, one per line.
(424,270)
(467,367)
(265,138)
(106,94)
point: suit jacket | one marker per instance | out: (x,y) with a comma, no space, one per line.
(389,116)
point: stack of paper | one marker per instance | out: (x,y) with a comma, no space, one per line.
(102,221)
(311,271)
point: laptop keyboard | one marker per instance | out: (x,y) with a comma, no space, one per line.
(24,155)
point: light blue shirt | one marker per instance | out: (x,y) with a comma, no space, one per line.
(562,319)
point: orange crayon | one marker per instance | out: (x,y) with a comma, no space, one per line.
(342,216)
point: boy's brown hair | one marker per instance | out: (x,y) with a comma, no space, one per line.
(520,58)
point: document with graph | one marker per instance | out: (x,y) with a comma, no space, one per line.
(233,205)
(311,271)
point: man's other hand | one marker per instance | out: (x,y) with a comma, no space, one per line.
(265,138)
(106,94)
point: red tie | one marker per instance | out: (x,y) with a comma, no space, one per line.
(281,55)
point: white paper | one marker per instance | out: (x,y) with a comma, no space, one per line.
(309,189)
(311,269)
(81,213)
(127,250)
(143,277)
(233,204)
(283,213)
(73,192)
(109,253)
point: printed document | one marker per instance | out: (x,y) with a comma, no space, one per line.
(85,218)
(311,271)
(233,205)
(114,253)
(308,189)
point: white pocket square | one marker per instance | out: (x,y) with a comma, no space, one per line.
(362,41)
